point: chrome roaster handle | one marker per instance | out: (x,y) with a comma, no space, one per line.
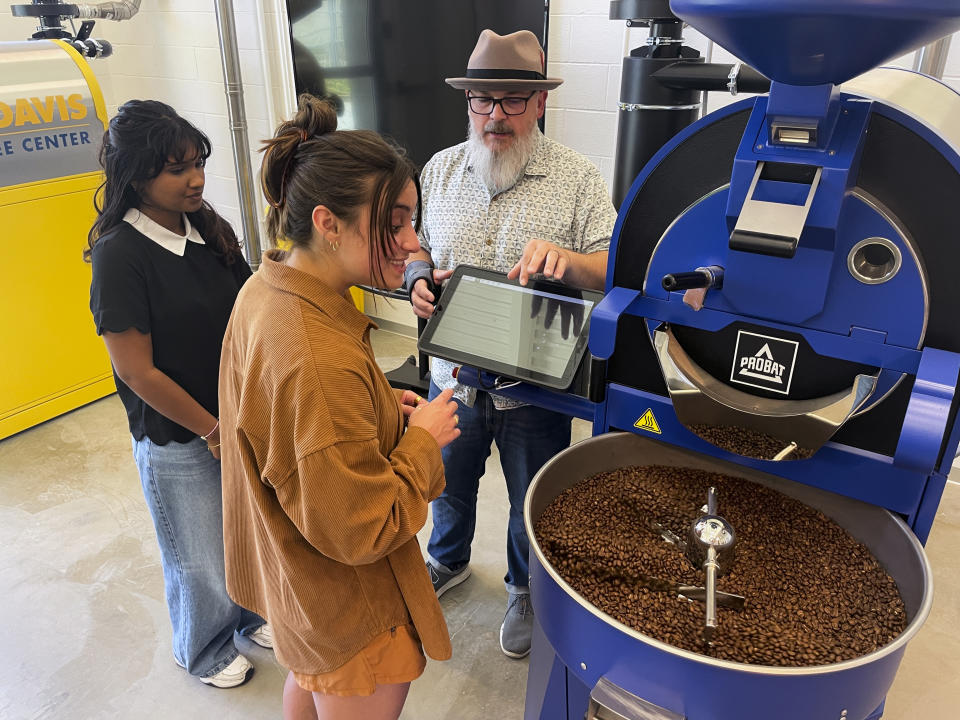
(609,701)
(698,397)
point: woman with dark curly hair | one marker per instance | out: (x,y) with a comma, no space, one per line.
(166,271)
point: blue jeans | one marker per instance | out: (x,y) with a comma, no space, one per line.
(527,437)
(181,484)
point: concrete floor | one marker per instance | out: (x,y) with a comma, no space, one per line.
(87,634)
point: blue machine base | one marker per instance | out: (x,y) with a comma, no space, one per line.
(554,692)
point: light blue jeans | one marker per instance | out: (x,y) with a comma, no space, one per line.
(181,483)
(527,437)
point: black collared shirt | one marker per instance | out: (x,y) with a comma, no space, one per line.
(183,302)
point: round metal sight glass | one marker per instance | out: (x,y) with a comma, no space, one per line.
(874,261)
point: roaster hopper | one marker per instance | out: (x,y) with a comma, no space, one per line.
(831,206)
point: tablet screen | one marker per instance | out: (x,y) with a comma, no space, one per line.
(536,333)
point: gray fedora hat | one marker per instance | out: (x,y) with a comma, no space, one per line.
(505,62)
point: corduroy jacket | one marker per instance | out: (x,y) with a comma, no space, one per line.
(323,491)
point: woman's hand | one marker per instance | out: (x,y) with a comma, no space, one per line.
(409,401)
(438,417)
(131,353)
(422,299)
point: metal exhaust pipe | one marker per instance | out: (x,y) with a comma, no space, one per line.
(233,86)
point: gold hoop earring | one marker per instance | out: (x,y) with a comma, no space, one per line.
(335,245)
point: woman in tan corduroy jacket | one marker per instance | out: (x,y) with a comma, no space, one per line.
(327,471)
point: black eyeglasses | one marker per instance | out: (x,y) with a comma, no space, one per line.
(484,105)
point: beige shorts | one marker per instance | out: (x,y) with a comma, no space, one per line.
(394,656)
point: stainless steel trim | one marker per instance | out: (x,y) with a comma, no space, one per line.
(793,131)
(774,219)
(855,255)
(923,98)
(630,107)
(609,701)
(698,397)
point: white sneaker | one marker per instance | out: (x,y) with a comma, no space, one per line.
(263,636)
(236,673)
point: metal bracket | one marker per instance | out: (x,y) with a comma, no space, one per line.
(732,78)
(659,40)
(611,702)
(771,228)
(632,107)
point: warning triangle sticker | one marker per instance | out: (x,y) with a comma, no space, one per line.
(648,422)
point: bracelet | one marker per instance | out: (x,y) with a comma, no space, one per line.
(212,431)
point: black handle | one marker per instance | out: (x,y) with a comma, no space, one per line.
(597,391)
(763,243)
(686,281)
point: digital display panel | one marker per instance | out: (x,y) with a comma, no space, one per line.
(536,333)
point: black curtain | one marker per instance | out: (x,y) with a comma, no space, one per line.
(384,61)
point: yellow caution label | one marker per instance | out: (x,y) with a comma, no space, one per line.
(648,422)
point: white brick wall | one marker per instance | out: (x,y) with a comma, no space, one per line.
(586,49)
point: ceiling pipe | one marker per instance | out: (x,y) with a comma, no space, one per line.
(109,10)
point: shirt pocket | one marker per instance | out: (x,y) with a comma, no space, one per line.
(540,228)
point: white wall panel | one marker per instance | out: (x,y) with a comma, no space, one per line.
(596,40)
(582,85)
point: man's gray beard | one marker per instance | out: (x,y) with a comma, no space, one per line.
(501,170)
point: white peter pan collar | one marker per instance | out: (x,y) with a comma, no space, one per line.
(177,244)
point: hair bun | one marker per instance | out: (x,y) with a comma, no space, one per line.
(315,116)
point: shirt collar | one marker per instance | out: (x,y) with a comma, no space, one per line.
(339,308)
(539,162)
(177,244)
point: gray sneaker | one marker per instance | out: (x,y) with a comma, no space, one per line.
(517,628)
(443,580)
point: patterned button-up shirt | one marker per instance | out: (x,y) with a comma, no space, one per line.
(561,197)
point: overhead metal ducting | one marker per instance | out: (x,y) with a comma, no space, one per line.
(123,10)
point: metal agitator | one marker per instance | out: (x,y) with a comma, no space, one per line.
(819,226)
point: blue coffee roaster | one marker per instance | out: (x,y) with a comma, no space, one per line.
(788,264)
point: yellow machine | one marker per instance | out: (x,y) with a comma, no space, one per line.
(52,119)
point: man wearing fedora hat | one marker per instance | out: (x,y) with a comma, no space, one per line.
(508,199)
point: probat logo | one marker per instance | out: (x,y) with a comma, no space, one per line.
(764,362)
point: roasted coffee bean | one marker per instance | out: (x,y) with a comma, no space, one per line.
(746,442)
(814,595)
